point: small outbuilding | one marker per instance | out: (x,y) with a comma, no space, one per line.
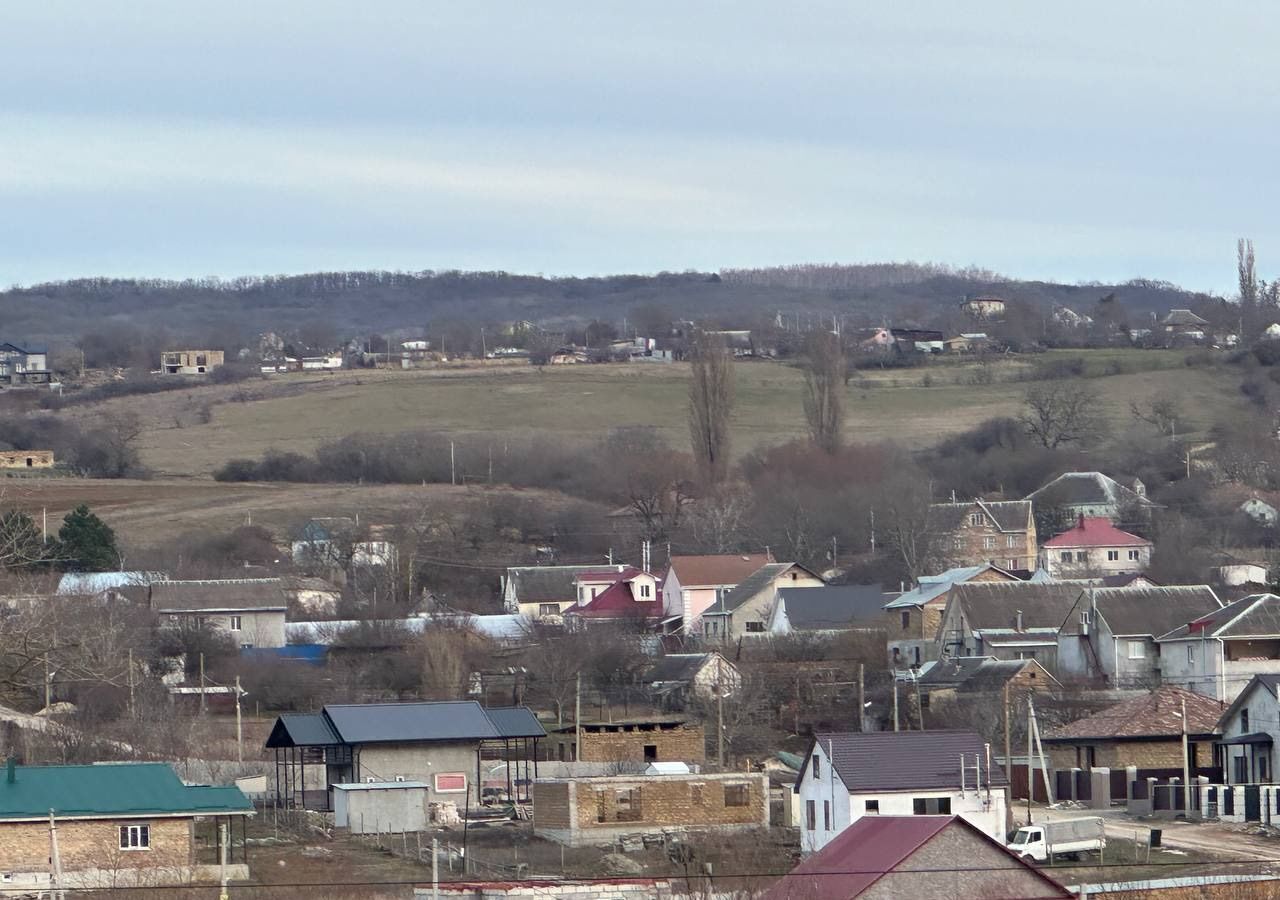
(381,807)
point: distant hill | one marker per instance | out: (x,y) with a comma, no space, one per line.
(362,302)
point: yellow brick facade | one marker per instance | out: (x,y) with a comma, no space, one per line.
(94,844)
(1119,754)
(627,743)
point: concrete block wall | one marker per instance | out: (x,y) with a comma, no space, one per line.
(24,846)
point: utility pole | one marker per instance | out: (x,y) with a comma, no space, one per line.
(1008,759)
(435,869)
(1186,766)
(239,729)
(48,683)
(132,710)
(453,471)
(862,699)
(873,529)
(222,863)
(1031,784)
(577,720)
(719,711)
(919,705)
(895,701)
(55,860)
(202,684)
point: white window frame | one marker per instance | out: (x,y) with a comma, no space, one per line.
(1134,555)
(135,837)
(975,519)
(1113,556)
(235,623)
(988,543)
(1137,650)
(1011,541)
(1191,654)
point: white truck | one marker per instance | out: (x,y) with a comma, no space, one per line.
(1046,840)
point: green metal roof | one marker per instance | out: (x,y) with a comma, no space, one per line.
(127,789)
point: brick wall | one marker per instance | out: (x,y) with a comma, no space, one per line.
(94,845)
(967,546)
(1143,754)
(551,804)
(626,743)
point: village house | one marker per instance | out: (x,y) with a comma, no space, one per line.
(748,608)
(967,342)
(311,595)
(448,746)
(190,362)
(1260,511)
(1012,620)
(896,857)
(1002,533)
(544,592)
(109,587)
(1094,548)
(1062,501)
(635,741)
(118,825)
(914,617)
(24,460)
(1250,731)
(589,811)
(1218,653)
(1144,731)
(1185,323)
(917,340)
(847,776)
(24,364)
(249,610)
(1109,635)
(827,610)
(984,307)
(677,678)
(342,544)
(693,583)
(977,677)
(621,594)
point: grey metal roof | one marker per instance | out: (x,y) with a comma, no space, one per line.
(1086,489)
(679,667)
(996,604)
(1144,610)
(1257,614)
(534,584)
(951,671)
(515,722)
(754,584)
(903,760)
(371,723)
(832,606)
(302,730)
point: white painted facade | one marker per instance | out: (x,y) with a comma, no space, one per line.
(826,804)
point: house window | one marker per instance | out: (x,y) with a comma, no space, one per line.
(1011,541)
(975,519)
(755,627)
(1082,556)
(1241,765)
(810,815)
(645,591)
(626,805)
(736,795)
(957,543)
(906,620)
(1244,721)
(1133,555)
(548,609)
(236,623)
(650,753)
(1262,768)
(826,815)
(988,543)
(817,768)
(1113,556)
(1137,650)
(452,782)
(931,806)
(1191,654)
(1064,557)
(872,807)
(135,837)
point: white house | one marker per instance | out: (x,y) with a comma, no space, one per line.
(251,611)
(1250,731)
(1260,511)
(902,773)
(1219,653)
(1094,547)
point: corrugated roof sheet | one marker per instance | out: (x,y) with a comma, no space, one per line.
(515,722)
(1006,515)
(930,587)
(1144,610)
(229,593)
(831,606)
(996,604)
(127,789)
(677,667)
(903,760)
(756,583)
(1252,616)
(1086,489)
(89,583)
(370,723)
(1157,714)
(302,730)
(534,584)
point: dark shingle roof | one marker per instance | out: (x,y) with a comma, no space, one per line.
(1157,714)
(1008,515)
(232,593)
(1144,610)
(903,760)
(757,582)
(951,671)
(1257,614)
(833,605)
(1086,489)
(127,789)
(534,584)
(679,667)
(996,604)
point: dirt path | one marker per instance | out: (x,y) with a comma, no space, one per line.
(1199,837)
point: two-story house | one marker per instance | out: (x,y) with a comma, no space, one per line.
(545,592)
(250,610)
(692,584)
(1218,653)
(625,595)
(1094,548)
(1014,620)
(1002,533)
(914,617)
(190,362)
(24,364)
(1109,636)
(749,607)
(897,773)
(1090,494)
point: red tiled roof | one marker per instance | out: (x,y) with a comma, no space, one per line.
(714,571)
(869,849)
(618,602)
(1157,714)
(1095,532)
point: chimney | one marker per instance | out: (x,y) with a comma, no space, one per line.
(11,770)
(1019,620)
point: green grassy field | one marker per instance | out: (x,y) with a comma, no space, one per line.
(580,403)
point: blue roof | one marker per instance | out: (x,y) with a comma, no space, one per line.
(932,586)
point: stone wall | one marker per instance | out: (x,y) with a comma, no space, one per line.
(94,845)
(626,743)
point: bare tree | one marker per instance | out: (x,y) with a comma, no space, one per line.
(823,380)
(1247,274)
(902,520)
(1161,412)
(1060,414)
(711,391)
(718,519)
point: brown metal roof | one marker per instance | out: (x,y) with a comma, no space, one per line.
(1157,714)
(723,570)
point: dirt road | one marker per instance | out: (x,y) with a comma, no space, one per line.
(1200,837)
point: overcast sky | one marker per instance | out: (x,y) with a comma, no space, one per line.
(1073,141)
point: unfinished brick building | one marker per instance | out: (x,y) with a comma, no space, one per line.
(659,739)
